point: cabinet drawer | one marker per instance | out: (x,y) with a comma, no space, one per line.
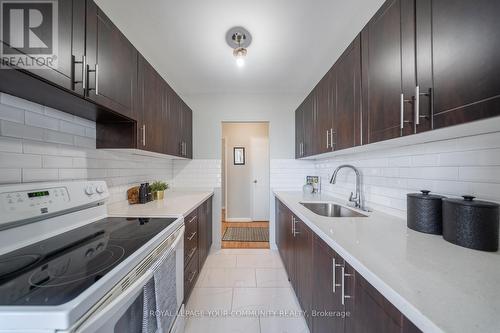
(190,275)
(190,247)
(191,223)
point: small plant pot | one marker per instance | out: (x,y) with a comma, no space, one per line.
(158,195)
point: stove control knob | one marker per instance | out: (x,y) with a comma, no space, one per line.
(89,190)
(99,189)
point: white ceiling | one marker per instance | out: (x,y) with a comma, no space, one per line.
(295,42)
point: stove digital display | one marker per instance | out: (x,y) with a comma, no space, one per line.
(38,194)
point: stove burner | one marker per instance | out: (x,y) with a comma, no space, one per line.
(108,258)
(14,264)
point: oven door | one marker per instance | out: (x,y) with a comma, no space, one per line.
(125,312)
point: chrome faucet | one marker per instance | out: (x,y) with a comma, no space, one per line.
(356,199)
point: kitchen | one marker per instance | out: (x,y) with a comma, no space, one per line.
(387,109)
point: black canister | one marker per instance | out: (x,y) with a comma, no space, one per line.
(471,223)
(424,212)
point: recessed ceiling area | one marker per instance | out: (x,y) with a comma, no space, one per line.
(294,42)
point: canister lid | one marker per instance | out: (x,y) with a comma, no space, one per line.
(425,194)
(468,200)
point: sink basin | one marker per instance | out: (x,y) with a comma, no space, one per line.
(330,210)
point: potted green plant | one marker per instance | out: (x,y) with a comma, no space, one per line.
(158,188)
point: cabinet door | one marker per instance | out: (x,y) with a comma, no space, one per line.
(382,75)
(152,95)
(326,291)
(370,312)
(348,98)
(286,240)
(173,114)
(303,247)
(202,233)
(464,48)
(112,62)
(71,46)
(187,130)
(299,131)
(209,224)
(324,122)
(310,119)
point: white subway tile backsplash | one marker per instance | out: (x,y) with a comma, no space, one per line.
(50,145)
(57,162)
(53,113)
(58,137)
(10,145)
(84,142)
(20,103)
(71,128)
(21,131)
(10,176)
(469,165)
(38,175)
(11,113)
(41,120)
(12,160)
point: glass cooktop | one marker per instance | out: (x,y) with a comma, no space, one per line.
(57,270)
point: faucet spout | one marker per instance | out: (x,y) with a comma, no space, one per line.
(356,199)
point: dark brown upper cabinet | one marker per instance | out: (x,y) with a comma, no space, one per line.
(186,133)
(388,108)
(347,124)
(324,127)
(305,120)
(299,131)
(67,72)
(111,62)
(153,103)
(457,60)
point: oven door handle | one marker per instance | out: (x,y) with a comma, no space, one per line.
(102,313)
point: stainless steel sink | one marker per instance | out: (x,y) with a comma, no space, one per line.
(330,210)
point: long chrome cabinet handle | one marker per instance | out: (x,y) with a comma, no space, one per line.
(331,139)
(327,139)
(344,296)
(402,107)
(417,105)
(84,72)
(192,236)
(334,267)
(97,79)
(334,275)
(144,134)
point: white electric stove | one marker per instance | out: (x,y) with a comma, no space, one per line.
(65,266)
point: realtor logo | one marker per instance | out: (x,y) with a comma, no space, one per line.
(29,34)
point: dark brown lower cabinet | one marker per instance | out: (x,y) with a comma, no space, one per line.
(197,243)
(328,312)
(334,296)
(303,249)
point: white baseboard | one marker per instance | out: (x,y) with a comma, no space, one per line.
(238,219)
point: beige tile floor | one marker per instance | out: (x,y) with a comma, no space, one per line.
(244,291)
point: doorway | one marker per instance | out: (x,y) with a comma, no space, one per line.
(245,184)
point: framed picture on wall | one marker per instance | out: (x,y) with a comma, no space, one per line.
(239,155)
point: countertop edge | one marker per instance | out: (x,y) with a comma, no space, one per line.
(411,312)
(206,196)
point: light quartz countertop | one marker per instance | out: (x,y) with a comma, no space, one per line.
(439,286)
(176,203)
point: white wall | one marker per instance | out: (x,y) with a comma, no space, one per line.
(38,143)
(209,111)
(239,177)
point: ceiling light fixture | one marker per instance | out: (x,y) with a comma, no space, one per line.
(239,39)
